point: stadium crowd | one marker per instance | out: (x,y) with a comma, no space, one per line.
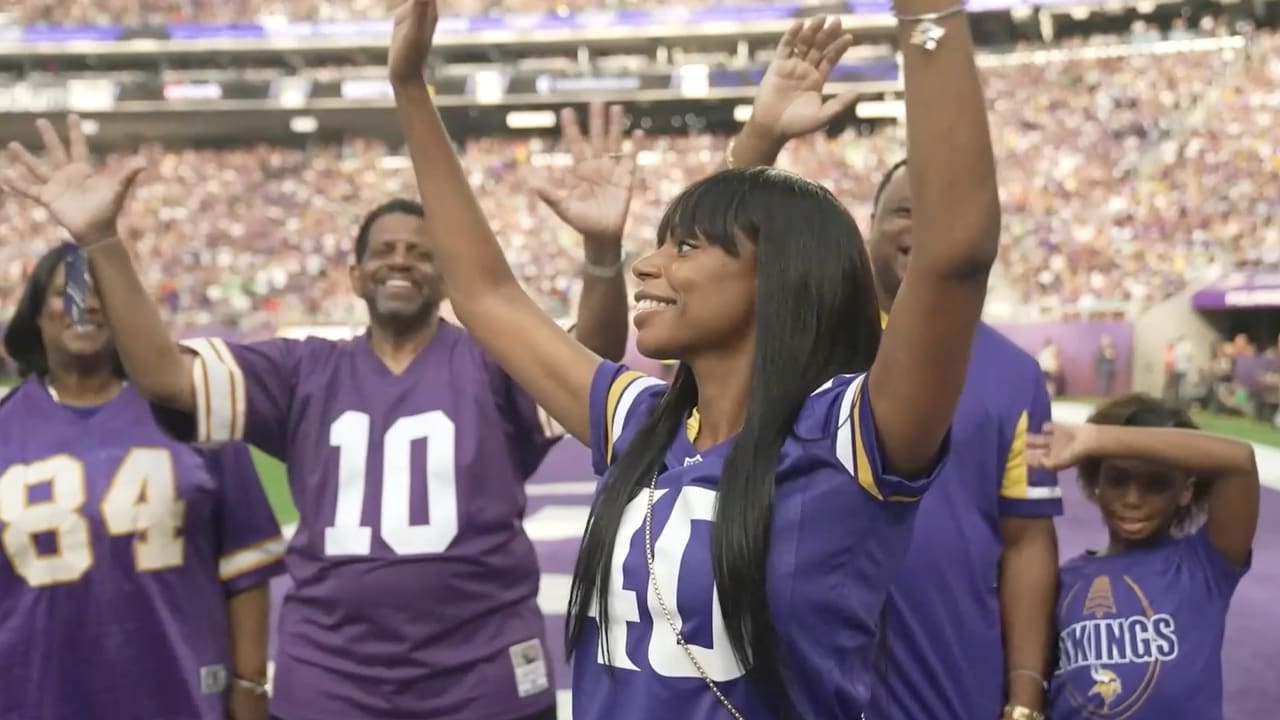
(159,12)
(1091,153)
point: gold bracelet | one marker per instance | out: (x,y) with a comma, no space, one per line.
(1022,712)
(1032,674)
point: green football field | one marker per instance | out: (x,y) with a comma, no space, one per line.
(276,483)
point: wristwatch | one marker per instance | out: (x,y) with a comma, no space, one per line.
(1021,712)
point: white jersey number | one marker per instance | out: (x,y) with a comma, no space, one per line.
(350,434)
(665,656)
(141,500)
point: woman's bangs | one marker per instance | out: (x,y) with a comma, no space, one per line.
(713,210)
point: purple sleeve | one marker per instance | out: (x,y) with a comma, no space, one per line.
(617,403)
(1222,576)
(243,392)
(847,405)
(1025,491)
(250,546)
(530,431)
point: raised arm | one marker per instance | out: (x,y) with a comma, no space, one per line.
(551,366)
(789,103)
(602,308)
(918,374)
(87,202)
(1229,466)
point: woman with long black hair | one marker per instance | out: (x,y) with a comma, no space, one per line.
(753,511)
(783,460)
(129,586)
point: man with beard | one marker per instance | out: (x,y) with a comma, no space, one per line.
(415,585)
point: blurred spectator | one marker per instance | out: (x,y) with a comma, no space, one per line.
(158,12)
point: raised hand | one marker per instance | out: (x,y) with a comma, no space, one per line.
(84,200)
(595,196)
(1059,446)
(789,101)
(411,35)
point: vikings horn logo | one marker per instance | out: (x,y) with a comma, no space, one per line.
(1106,685)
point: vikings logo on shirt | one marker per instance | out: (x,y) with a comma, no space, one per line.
(1110,658)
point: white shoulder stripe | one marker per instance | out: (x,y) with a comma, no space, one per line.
(1043,493)
(550,428)
(624,403)
(845,441)
(219,403)
(239,405)
(251,558)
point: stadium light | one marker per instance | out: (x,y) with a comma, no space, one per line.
(741,113)
(89,127)
(531,119)
(304,124)
(694,80)
(881,110)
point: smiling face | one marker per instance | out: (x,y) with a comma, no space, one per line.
(1141,501)
(64,341)
(889,243)
(694,296)
(397,276)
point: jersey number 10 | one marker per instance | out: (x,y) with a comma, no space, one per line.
(350,434)
(140,500)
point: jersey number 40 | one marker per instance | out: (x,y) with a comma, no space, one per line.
(140,500)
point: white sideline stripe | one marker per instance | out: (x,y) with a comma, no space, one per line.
(583,487)
(1268,457)
(553,593)
(557,522)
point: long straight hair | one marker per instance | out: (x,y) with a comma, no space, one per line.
(22,339)
(816,316)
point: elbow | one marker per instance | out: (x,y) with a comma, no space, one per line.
(170,389)
(970,244)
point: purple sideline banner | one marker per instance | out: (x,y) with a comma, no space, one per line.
(1078,344)
(1240,290)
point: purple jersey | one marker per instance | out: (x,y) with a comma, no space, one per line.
(121,547)
(840,526)
(1140,633)
(415,585)
(943,623)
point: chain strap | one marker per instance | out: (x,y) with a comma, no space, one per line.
(662,603)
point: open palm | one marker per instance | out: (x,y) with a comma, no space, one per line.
(84,200)
(595,195)
(789,101)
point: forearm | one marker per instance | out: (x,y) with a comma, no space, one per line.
(602,308)
(151,358)
(953,176)
(1028,591)
(248,613)
(467,249)
(753,147)
(1198,453)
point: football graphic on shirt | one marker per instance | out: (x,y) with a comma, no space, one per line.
(1113,645)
